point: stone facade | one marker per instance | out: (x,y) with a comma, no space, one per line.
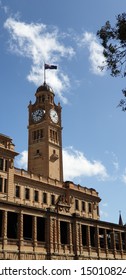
(42,217)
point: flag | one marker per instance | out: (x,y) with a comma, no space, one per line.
(48,66)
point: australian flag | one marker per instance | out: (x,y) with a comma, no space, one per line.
(48,66)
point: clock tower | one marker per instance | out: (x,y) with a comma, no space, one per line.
(45,135)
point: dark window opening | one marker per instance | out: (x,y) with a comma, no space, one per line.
(109,239)
(36,196)
(17,191)
(123,234)
(41,229)
(27,193)
(1,163)
(5,185)
(53,199)
(92,236)
(12,225)
(117,240)
(98,210)
(102,237)
(44,197)
(83,205)
(1,183)
(27,227)
(6,165)
(64,232)
(84,235)
(89,208)
(76,204)
(1,218)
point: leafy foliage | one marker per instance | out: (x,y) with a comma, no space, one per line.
(113,40)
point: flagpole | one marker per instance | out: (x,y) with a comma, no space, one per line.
(44,74)
(48,66)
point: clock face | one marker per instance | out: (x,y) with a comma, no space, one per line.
(37,115)
(54,116)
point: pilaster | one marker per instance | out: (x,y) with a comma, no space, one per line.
(4,229)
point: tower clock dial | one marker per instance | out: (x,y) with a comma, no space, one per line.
(54,116)
(37,115)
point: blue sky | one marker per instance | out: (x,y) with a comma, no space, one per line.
(64,33)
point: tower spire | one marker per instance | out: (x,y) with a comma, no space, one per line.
(120,219)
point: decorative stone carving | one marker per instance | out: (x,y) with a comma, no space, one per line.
(63,204)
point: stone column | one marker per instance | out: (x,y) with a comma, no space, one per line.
(52,234)
(113,243)
(88,240)
(55,235)
(120,244)
(20,228)
(97,240)
(80,238)
(49,234)
(76,237)
(70,237)
(34,228)
(4,228)
(58,234)
(20,233)
(106,243)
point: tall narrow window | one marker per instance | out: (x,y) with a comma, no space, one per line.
(64,232)
(41,229)
(6,165)
(27,193)
(36,196)
(1,182)
(102,237)
(17,191)
(1,163)
(1,221)
(83,205)
(12,225)
(76,204)
(84,235)
(92,236)
(109,238)
(5,185)
(27,227)
(97,210)
(44,197)
(53,199)
(89,207)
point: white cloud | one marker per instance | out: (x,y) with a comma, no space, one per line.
(95,52)
(22,160)
(4,7)
(124,177)
(38,43)
(75,165)
(103,214)
(105,204)
(115,162)
(41,43)
(103,211)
